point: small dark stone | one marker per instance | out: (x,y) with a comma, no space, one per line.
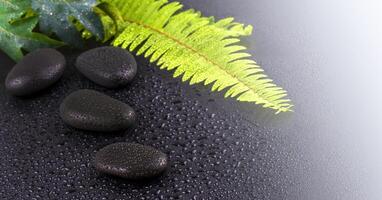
(35,72)
(131,161)
(94,111)
(111,67)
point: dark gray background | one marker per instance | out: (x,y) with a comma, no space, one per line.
(325,53)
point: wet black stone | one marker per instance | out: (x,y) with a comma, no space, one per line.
(35,72)
(94,111)
(111,67)
(131,161)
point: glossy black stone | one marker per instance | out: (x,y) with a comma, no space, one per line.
(35,72)
(94,111)
(111,67)
(131,161)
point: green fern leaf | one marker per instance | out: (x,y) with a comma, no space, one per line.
(197,48)
(16,29)
(58,16)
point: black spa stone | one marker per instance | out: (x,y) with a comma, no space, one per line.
(111,67)
(94,111)
(35,72)
(131,161)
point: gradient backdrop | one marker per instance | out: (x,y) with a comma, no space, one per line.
(327,54)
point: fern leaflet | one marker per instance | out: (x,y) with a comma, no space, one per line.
(197,48)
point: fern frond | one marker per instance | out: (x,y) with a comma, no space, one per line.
(198,49)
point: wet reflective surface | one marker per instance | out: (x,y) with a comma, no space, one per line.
(213,153)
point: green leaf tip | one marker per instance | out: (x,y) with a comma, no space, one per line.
(58,16)
(16,29)
(198,49)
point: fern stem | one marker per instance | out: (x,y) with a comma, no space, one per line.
(194,51)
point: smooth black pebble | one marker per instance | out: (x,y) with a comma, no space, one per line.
(94,111)
(35,72)
(111,67)
(131,161)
